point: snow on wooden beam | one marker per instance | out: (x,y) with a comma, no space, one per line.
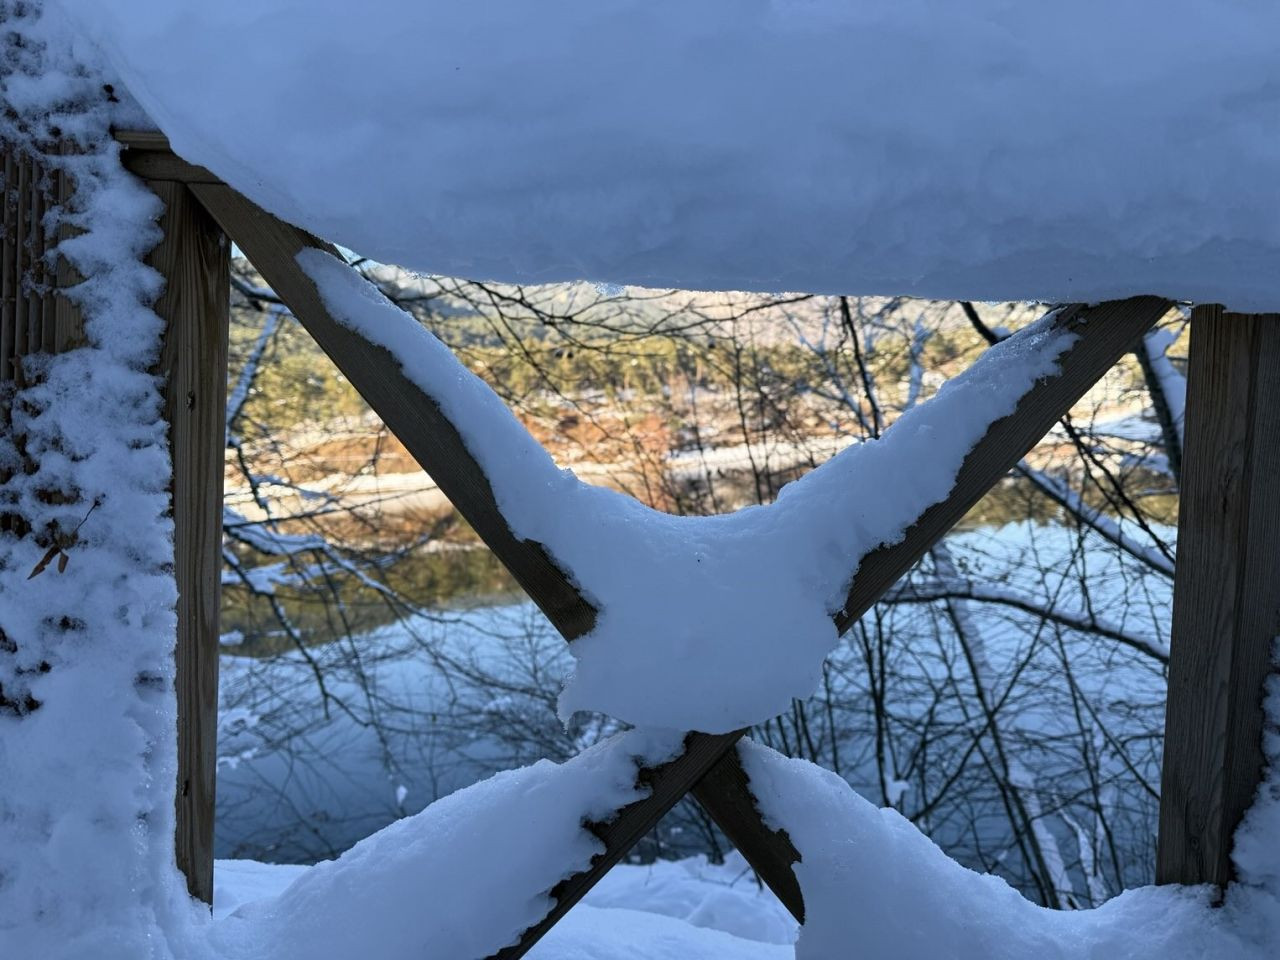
(1226,607)
(1104,333)
(435,443)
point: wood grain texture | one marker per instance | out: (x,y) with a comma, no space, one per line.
(147,154)
(194,258)
(724,791)
(1105,332)
(1226,606)
(9,278)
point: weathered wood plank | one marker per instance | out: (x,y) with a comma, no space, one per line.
(9,279)
(147,154)
(1105,332)
(724,791)
(1226,605)
(194,258)
(20,266)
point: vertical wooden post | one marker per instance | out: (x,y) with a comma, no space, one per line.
(1226,607)
(194,258)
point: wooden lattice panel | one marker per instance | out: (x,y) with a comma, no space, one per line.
(33,318)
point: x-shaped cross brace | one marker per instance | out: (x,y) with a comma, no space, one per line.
(709,767)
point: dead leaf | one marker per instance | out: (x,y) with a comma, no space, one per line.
(44,561)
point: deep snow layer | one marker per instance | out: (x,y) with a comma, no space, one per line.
(986,150)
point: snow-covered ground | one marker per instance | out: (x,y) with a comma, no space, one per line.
(668,909)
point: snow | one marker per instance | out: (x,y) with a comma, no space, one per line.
(644,916)
(705,623)
(869,878)
(87,752)
(872,879)
(463,878)
(987,150)
(87,776)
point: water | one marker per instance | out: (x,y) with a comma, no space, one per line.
(413,708)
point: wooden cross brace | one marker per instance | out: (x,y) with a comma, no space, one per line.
(709,767)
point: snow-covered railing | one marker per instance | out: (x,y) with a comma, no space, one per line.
(374,358)
(890,500)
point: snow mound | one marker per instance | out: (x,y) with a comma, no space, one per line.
(872,879)
(460,880)
(647,912)
(985,150)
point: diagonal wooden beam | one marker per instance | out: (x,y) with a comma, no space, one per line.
(1105,332)
(435,443)
(708,765)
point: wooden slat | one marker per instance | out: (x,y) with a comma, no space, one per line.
(48,273)
(21,219)
(67,319)
(147,155)
(1226,606)
(8,267)
(194,258)
(35,274)
(724,791)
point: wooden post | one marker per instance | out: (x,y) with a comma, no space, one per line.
(1226,606)
(194,258)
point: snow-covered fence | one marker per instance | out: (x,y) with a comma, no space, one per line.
(32,318)
(709,766)
(37,318)
(1230,530)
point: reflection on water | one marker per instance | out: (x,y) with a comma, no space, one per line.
(464,574)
